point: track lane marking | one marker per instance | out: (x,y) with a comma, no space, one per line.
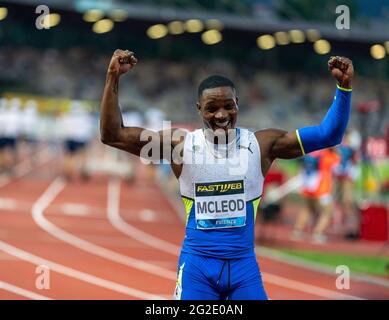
(59,268)
(24,167)
(118,222)
(76,274)
(38,216)
(21,292)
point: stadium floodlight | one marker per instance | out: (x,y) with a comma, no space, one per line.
(211,37)
(282,38)
(157,31)
(103,26)
(93,15)
(194,25)
(176,27)
(377,51)
(118,15)
(266,42)
(51,20)
(313,35)
(297,36)
(3,13)
(322,46)
(214,24)
(387,46)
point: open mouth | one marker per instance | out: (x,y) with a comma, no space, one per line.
(223,124)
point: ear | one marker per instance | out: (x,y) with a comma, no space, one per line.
(237,103)
(198,107)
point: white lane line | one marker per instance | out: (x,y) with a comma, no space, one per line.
(147,215)
(37,211)
(176,204)
(153,241)
(24,167)
(75,209)
(21,292)
(38,215)
(76,274)
(8,204)
(300,286)
(129,230)
(59,268)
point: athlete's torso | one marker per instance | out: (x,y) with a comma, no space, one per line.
(221,188)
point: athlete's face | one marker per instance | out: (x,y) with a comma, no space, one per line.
(219,108)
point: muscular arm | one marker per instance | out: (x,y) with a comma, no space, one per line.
(112,130)
(276,143)
(132,139)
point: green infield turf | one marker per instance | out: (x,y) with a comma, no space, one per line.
(375,265)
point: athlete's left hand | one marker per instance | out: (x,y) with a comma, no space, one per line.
(342,70)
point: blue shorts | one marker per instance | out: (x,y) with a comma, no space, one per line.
(73,146)
(206,278)
(2,143)
(8,142)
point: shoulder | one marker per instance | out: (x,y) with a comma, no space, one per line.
(267,137)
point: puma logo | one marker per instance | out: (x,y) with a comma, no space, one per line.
(245,147)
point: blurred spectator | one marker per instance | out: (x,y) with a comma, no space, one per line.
(11,128)
(317,192)
(29,124)
(3,111)
(267,98)
(78,130)
(346,174)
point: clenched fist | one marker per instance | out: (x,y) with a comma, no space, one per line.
(121,62)
(342,70)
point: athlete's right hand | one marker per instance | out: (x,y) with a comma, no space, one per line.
(121,62)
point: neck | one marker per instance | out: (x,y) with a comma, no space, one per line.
(219,137)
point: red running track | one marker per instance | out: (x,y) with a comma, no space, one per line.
(105,239)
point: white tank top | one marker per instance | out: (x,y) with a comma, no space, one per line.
(221,186)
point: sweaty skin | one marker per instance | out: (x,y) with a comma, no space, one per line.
(218,108)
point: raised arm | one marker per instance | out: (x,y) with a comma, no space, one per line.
(112,130)
(276,143)
(133,139)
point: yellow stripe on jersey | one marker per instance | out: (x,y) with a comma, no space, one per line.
(178,290)
(188,203)
(301,144)
(255,207)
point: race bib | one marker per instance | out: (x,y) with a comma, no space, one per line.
(220,204)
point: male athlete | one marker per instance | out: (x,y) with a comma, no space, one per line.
(217,260)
